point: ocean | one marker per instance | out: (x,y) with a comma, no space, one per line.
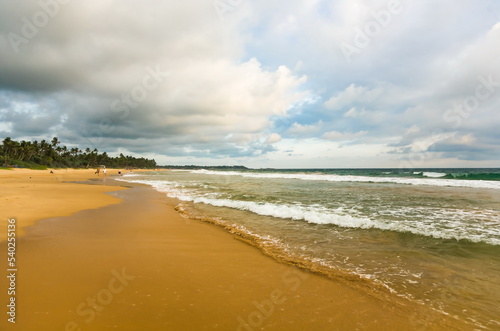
(431,236)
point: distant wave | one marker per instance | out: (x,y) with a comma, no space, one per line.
(467,176)
(318,215)
(430,174)
(434,174)
(433,179)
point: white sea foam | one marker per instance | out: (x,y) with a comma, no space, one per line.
(445,224)
(350,178)
(434,174)
(406,265)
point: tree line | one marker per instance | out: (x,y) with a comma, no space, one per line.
(43,154)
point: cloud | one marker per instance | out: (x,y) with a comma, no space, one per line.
(352,95)
(338,136)
(303,130)
(466,147)
(244,87)
(273,138)
(92,62)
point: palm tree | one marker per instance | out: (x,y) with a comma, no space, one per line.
(52,154)
(7,145)
(55,142)
(31,151)
(22,149)
(44,147)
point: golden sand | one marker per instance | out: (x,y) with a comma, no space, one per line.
(30,195)
(139,265)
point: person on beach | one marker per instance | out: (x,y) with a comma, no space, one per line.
(104,171)
(97,171)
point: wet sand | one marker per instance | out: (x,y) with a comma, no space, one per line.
(31,195)
(139,265)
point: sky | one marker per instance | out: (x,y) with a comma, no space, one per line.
(284,84)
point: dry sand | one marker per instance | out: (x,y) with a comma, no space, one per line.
(30,195)
(139,265)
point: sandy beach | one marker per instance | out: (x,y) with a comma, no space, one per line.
(99,256)
(31,195)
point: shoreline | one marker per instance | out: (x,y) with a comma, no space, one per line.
(32,195)
(178,273)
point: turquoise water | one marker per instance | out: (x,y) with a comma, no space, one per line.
(428,235)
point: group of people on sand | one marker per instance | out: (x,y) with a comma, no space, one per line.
(99,170)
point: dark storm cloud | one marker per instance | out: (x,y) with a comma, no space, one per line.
(174,79)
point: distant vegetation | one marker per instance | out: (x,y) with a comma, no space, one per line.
(41,155)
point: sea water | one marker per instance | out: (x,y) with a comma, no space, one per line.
(428,235)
